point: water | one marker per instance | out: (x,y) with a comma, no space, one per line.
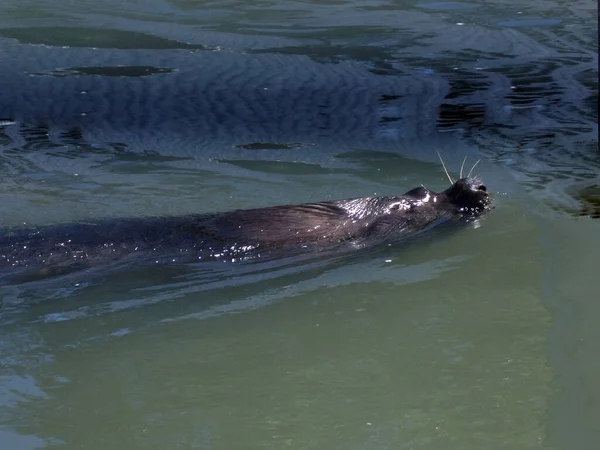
(485,337)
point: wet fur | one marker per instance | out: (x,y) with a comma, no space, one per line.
(238,234)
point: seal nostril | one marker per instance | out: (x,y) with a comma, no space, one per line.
(482,188)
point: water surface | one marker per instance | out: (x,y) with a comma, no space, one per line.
(481,338)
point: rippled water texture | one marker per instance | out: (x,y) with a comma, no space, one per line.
(482,337)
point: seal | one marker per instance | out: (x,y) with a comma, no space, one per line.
(240,234)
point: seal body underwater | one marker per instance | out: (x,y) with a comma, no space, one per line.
(240,234)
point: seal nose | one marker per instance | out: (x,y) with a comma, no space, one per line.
(482,188)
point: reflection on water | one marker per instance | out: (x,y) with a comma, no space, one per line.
(478,339)
(443,73)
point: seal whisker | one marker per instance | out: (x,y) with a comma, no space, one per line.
(461,167)
(445,170)
(470,171)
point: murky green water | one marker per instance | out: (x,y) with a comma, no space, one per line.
(482,338)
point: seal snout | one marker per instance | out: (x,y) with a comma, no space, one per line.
(485,198)
(469,196)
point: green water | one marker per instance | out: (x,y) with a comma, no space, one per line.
(483,338)
(443,346)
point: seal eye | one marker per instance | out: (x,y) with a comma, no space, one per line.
(482,188)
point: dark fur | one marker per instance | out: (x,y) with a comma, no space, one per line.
(238,234)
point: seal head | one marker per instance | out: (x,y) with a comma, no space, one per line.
(468,195)
(465,197)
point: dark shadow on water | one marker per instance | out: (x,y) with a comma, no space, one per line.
(93,37)
(106,71)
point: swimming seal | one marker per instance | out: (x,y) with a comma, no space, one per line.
(240,234)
